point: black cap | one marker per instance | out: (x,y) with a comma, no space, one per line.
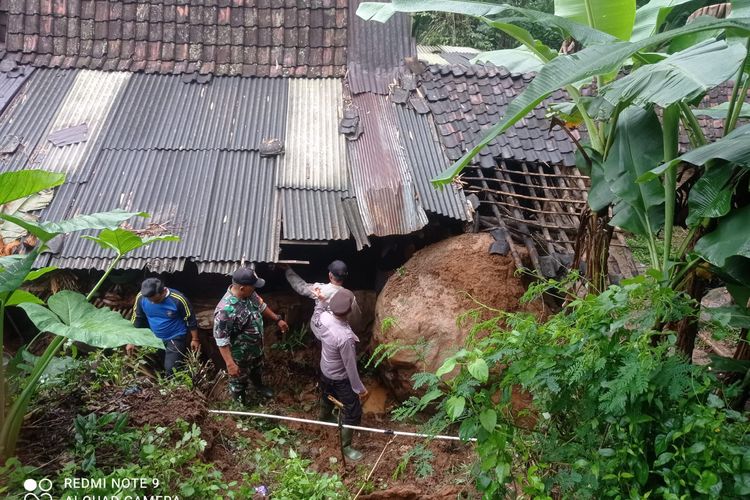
(338,269)
(151,287)
(341,303)
(246,276)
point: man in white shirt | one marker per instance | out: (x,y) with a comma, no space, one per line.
(338,362)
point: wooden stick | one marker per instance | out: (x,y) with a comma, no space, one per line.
(338,404)
(373,468)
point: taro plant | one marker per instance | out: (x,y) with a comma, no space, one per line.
(68,315)
(648,80)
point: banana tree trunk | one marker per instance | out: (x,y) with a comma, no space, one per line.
(592,248)
(687,328)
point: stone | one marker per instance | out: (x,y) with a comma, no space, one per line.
(419,305)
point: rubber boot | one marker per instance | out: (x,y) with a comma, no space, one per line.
(326,411)
(257,381)
(240,397)
(346,442)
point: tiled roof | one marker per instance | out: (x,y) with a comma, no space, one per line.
(466,100)
(221,37)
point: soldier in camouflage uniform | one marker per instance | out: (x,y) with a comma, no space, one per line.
(238,330)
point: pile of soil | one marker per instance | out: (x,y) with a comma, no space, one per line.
(422,302)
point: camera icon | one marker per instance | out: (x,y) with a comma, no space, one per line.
(32,485)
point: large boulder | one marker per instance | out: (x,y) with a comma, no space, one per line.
(422,301)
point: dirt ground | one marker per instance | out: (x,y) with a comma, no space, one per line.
(48,436)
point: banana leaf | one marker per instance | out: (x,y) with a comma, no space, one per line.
(683,76)
(728,246)
(734,148)
(567,70)
(650,17)
(615,17)
(638,207)
(711,196)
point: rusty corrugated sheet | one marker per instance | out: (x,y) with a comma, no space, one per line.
(381,179)
(315,152)
(354,221)
(376,50)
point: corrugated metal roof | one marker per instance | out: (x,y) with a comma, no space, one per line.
(89,101)
(376,50)
(162,112)
(10,82)
(244,210)
(446,54)
(431,54)
(315,152)
(355,223)
(313,215)
(29,115)
(222,204)
(381,180)
(427,160)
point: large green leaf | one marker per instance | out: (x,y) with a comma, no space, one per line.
(567,70)
(517,61)
(637,147)
(22,183)
(454,406)
(650,17)
(740,8)
(711,196)
(71,316)
(680,77)
(719,112)
(615,17)
(47,230)
(21,296)
(728,246)
(122,241)
(523,36)
(734,148)
(13,271)
(381,12)
(735,316)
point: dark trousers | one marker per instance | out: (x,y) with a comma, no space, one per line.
(342,391)
(174,353)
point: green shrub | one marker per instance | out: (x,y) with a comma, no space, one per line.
(614,412)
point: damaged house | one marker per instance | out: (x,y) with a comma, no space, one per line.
(262,133)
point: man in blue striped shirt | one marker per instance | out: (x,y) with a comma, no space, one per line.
(169,315)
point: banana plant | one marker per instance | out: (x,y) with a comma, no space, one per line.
(671,81)
(631,155)
(68,315)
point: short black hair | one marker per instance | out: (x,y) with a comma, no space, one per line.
(151,287)
(338,269)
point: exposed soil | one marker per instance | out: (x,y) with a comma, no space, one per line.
(48,436)
(422,308)
(490,279)
(297,396)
